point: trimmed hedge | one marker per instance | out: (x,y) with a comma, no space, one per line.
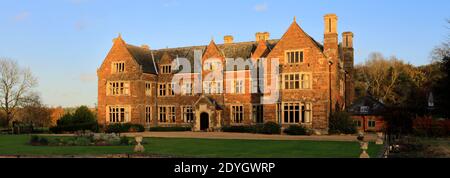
(297,130)
(239,129)
(123,128)
(170,129)
(267,128)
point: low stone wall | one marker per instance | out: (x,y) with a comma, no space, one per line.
(88,156)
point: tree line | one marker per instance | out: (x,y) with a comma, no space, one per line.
(400,84)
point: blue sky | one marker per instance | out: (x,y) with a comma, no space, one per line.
(65,41)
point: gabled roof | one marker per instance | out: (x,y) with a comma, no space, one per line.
(145,57)
(373,106)
(207,100)
(294,27)
(149,59)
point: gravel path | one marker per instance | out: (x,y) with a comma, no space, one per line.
(247,136)
(241,136)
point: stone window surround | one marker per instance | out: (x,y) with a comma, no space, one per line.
(162,90)
(280,109)
(168,114)
(126,89)
(148,114)
(371,123)
(167,89)
(301,57)
(126,114)
(215,87)
(234,86)
(184,110)
(166,69)
(149,88)
(254,117)
(233,114)
(309,74)
(118,67)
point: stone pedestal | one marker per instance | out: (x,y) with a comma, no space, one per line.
(380,140)
(364,147)
(139,148)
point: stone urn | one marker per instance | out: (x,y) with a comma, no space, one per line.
(379,138)
(364,147)
(139,148)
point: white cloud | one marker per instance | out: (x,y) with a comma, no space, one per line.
(261,7)
(21,16)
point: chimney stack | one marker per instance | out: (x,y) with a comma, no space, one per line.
(228,39)
(347,39)
(262,36)
(330,43)
(144,46)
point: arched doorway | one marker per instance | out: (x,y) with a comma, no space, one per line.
(204,121)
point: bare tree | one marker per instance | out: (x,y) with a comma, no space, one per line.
(380,77)
(16,86)
(34,112)
(443,50)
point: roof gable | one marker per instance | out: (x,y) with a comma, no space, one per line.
(119,48)
(296,32)
(261,50)
(212,51)
(166,58)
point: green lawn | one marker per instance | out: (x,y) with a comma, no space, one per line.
(17,145)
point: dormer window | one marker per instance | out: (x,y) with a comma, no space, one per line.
(166,69)
(118,67)
(294,57)
(211,65)
(364,109)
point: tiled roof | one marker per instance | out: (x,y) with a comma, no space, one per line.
(146,58)
(373,106)
(149,58)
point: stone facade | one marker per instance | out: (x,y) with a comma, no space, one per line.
(135,83)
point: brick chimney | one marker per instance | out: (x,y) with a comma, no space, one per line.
(262,36)
(228,39)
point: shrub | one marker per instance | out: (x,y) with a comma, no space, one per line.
(82,141)
(297,130)
(82,119)
(137,128)
(43,141)
(123,128)
(239,129)
(341,123)
(34,140)
(38,141)
(267,128)
(124,141)
(170,129)
(271,128)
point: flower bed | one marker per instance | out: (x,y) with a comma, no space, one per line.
(82,140)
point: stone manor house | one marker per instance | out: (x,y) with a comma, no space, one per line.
(137,84)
